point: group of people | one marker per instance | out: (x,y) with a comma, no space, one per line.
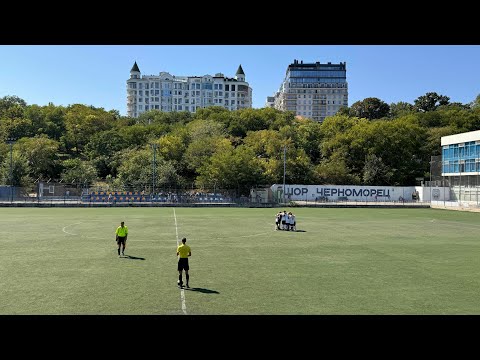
(183,252)
(285,221)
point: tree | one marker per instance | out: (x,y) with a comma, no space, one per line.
(307,135)
(82,122)
(78,172)
(206,137)
(375,172)
(19,167)
(231,168)
(101,150)
(41,154)
(335,172)
(344,111)
(11,101)
(430,101)
(400,108)
(167,176)
(475,104)
(135,168)
(455,105)
(369,108)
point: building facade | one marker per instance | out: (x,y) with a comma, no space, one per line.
(459,166)
(313,90)
(166,92)
(461,154)
(270,103)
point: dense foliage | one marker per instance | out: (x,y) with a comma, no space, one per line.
(371,143)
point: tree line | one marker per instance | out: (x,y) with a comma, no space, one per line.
(369,143)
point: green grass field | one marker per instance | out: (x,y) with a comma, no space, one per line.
(344,261)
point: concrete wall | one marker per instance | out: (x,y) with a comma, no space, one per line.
(356,193)
(435,193)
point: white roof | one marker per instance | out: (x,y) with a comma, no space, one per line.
(461,138)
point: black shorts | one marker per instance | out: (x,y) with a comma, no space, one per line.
(121,239)
(183,264)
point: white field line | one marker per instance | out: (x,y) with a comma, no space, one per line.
(69,233)
(64,229)
(182,291)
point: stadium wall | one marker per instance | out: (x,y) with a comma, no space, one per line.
(358,193)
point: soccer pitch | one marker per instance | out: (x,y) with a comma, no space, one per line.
(341,261)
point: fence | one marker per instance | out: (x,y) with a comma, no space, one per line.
(104,195)
(97,195)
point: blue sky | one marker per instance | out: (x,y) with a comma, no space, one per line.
(96,75)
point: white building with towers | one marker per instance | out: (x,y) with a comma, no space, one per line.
(166,92)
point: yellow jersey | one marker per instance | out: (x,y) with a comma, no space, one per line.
(183,250)
(122,231)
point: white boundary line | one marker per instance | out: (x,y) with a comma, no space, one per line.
(182,291)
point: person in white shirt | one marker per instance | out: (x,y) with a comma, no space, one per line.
(284,220)
(293,223)
(289,221)
(278,219)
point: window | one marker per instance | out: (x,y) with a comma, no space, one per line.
(233,87)
(227,87)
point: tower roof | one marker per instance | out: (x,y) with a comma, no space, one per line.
(240,70)
(135,67)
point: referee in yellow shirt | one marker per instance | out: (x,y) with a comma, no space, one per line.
(121,235)
(183,251)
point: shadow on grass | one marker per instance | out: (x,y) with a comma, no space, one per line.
(133,257)
(300,231)
(202,290)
